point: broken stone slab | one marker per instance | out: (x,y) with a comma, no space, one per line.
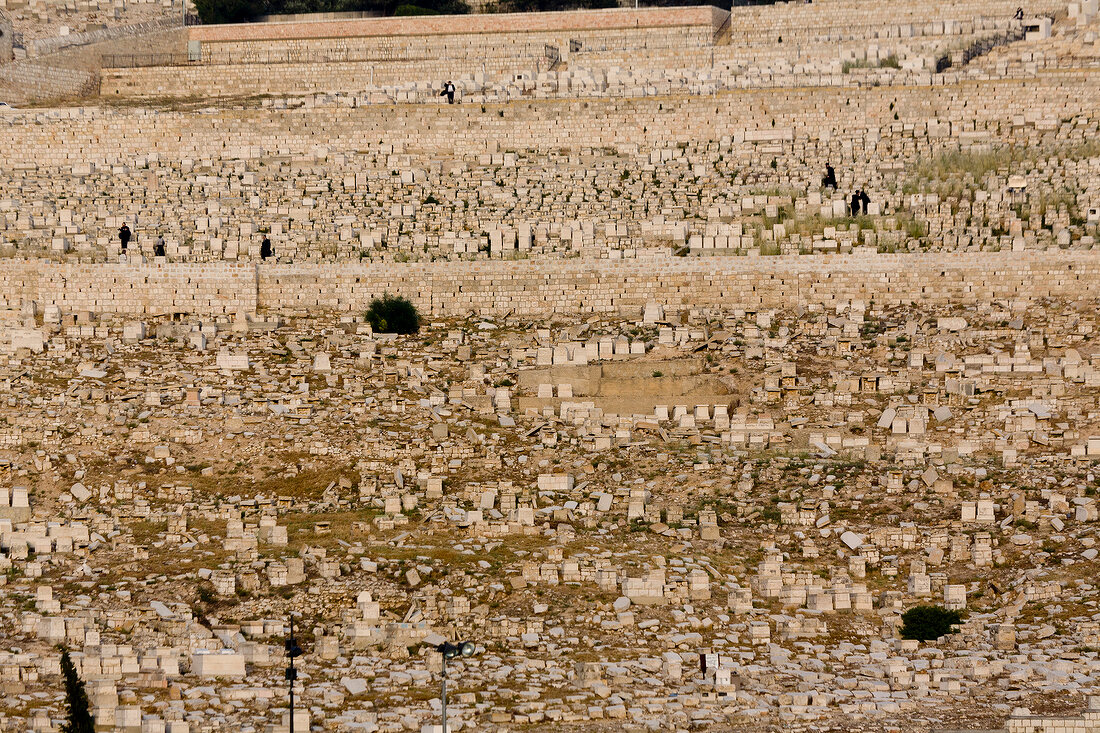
(80,492)
(851,539)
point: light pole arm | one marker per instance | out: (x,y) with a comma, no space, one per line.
(444,693)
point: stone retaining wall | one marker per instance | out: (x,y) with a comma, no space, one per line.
(540,289)
(73,70)
(124,288)
(1088,722)
(463,47)
(237,80)
(53,44)
(29,80)
(965,110)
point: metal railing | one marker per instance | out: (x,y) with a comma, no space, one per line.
(134,60)
(979,48)
(553,55)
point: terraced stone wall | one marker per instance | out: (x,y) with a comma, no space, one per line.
(539,289)
(969,110)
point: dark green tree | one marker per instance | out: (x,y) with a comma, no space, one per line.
(924,623)
(393,314)
(229,11)
(79,718)
(241,11)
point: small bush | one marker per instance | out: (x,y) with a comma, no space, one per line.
(207,595)
(393,314)
(924,623)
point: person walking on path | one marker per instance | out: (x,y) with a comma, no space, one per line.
(265,248)
(448,92)
(829,180)
(158,248)
(864,199)
(124,237)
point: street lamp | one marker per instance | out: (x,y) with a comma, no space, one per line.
(450,650)
(292,651)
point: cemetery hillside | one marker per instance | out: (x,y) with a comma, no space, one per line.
(373,367)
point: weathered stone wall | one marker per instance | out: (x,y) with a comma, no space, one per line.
(73,71)
(460,46)
(29,80)
(963,110)
(46,46)
(121,288)
(1088,722)
(243,80)
(578,286)
(360,54)
(540,289)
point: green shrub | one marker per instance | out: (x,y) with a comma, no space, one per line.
(924,623)
(207,595)
(393,314)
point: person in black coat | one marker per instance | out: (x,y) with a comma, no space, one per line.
(448,92)
(265,248)
(124,237)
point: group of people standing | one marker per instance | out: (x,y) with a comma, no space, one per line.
(159,249)
(125,235)
(860,199)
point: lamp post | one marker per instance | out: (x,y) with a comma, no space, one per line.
(292,651)
(450,650)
